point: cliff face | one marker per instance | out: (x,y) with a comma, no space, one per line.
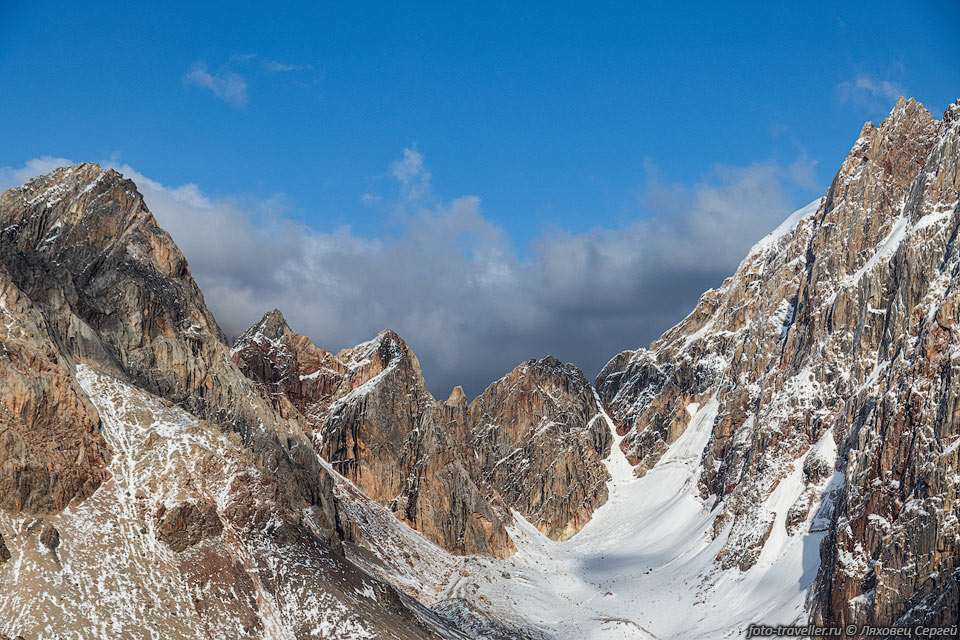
(115,292)
(447,469)
(145,484)
(831,353)
(51,450)
(375,423)
(540,439)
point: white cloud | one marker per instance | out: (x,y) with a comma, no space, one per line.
(450,281)
(869,91)
(14,177)
(413,177)
(272,66)
(227,85)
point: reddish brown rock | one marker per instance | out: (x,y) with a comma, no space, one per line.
(434,463)
(374,421)
(4,552)
(51,452)
(541,440)
(835,334)
(49,536)
(187,524)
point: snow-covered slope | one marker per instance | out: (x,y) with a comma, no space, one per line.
(644,566)
(119,571)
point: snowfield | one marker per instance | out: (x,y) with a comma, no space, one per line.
(643,567)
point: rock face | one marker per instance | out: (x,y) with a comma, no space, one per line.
(540,440)
(831,353)
(50,537)
(376,424)
(187,524)
(50,450)
(119,400)
(433,463)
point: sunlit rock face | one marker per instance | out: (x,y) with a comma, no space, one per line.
(146,486)
(540,441)
(531,442)
(831,352)
(374,421)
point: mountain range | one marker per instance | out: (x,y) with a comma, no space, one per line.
(789,453)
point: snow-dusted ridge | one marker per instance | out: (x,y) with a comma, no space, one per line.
(112,577)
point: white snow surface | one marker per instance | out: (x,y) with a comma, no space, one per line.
(644,566)
(785,227)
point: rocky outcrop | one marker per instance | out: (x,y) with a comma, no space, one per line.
(435,463)
(830,354)
(376,424)
(49,536)
(187,524)
(4,552)
(541,439)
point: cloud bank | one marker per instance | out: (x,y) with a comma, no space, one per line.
(449,281)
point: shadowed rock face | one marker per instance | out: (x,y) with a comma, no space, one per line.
(833,347)
(4,552)
(433,463)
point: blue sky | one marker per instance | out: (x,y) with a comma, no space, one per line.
(560,128)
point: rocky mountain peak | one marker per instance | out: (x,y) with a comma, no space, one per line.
(386,351)
(809,358)
(119,400)
(551,367)
(448,468)
(270,330)
(457,397)
(539,437)
(374,421)
(273,325)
